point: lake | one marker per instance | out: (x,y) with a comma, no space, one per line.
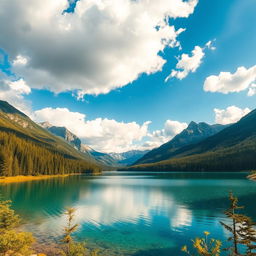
(132,213)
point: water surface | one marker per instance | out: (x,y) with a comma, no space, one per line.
(132,213)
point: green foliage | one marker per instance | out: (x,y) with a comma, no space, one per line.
(12,242)
(247,234)
(70,228)
(8,218)
(242,229)
(77,249)
(28,149)
(24,157)
(72,248)
(232,149)
(16,243)
(205,246)
(232,214)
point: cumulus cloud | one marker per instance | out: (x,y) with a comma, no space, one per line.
(101,134)
(107,135)
(230,115)
(189,63)
(13,92)
(158,137)
(227,82)
(100,46)
(252,90)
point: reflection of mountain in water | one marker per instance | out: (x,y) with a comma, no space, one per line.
(131,211)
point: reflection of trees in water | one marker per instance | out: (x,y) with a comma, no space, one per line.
(35,197)
(108,201)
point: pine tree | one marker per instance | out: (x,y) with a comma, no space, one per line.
(242,229)
(15,167)
(69,229)
(247,234)
(232,214)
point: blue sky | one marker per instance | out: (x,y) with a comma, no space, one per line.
(229,25)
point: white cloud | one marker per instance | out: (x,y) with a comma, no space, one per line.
(210,46)
(189,63)
(107,135)
(252,90)
(101,134)
(13,92)
(158,137)
(20,60)
(103,45)
(227,82)
(230,115)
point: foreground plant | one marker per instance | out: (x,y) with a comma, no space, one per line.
(13,242)
(72,248)
(205,246)
(242,229)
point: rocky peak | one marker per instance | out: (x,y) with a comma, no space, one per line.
(62,132)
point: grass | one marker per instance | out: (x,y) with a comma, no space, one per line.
(21,178)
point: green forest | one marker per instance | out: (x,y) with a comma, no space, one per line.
(23,157)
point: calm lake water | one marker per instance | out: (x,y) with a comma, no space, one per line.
(132,213)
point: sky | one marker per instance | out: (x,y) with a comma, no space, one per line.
(128,74)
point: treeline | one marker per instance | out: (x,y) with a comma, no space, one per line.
(241,157)
(24,157)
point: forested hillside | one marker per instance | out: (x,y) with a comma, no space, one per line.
(28,149)
(232,149)
(194,133)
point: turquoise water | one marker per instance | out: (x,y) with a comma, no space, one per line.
(132,213)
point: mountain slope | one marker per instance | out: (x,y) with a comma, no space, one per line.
(34,150)
(101,157)
(64,133)
(191,135)
(129,157)
(232,149)
(111,159)
(115,159)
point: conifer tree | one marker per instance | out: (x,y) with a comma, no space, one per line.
(69,229)
(247,234)
(232,214)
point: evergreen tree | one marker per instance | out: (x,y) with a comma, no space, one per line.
(72,248)
(232,214)
(247,234)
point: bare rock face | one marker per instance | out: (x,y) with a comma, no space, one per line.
(64,133)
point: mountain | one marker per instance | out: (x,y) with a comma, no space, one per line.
(232,149)
(103,158)
(194,133)
(129,157)
(28,149)
(111,159)
(64,133)
(115,159)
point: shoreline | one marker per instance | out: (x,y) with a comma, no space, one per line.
(23,178)
(252,176)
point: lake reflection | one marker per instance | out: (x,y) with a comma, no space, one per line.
(131,213)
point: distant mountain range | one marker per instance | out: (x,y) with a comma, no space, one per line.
(111,159)
(129,157)
(27,148)
(231,149)
(194,133)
